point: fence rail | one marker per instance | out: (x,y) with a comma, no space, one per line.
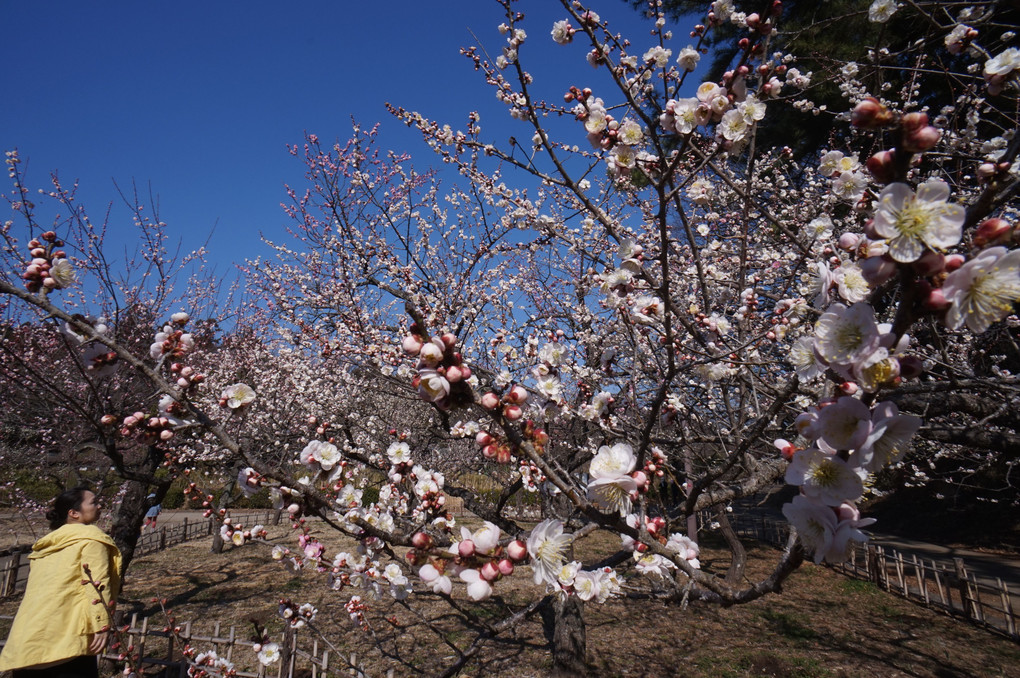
(955,591)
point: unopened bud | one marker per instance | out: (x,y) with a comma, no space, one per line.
(490,571)
(849,241)
(882,166)
(954,261)
(870,113)
(517,550)
(922,140)
(877,270)
(991,230)
(912,122)
(936,301)
(517,395)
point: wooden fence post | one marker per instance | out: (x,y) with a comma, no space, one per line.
(10,574)
(964,586)
(287,653)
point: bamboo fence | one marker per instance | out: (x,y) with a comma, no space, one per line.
(954,590)
(158,649)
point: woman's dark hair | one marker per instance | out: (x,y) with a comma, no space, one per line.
(65,501)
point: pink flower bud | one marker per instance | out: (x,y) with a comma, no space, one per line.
(466,548)
(877,270)
(503,454)
(449,339)
(912,122)
(870,113)
(490,401)
(848,387)
(465,372)
(849,241)
(991,230)
(411,345)
(421,541)
(490,572)
(954,261)
(517,395)
(483,438)
(183,383)
(517,550)
(513,412)
(922,140)
(490,451)
(986,170)
(431,354)
(454,374)
(506,567)
(187,371)
(166,434)
(882,166)
(641,478)
(936,301)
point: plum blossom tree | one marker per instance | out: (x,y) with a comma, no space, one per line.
(61,373)
(654,320)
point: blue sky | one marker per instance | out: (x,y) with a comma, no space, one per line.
(198,100)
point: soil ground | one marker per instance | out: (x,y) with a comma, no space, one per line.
(822,625)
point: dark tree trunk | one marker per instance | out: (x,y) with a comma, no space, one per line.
(127,521)
(563,620)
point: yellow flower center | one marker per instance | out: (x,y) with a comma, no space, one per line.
(913,219)
(825,473)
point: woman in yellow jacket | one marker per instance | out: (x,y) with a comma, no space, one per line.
(61,626)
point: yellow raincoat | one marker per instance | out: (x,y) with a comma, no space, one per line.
(57,615)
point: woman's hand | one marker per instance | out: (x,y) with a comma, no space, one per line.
(98,642)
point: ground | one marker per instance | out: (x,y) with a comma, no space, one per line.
(823,624)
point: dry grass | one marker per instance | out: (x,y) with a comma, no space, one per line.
(822,625)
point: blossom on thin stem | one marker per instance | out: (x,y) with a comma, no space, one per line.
(912,221)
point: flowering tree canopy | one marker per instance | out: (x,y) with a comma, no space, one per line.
(634,315)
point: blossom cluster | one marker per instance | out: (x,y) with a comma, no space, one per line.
(49,268)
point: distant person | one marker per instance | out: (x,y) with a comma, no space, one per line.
(59,629)
(152,514)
